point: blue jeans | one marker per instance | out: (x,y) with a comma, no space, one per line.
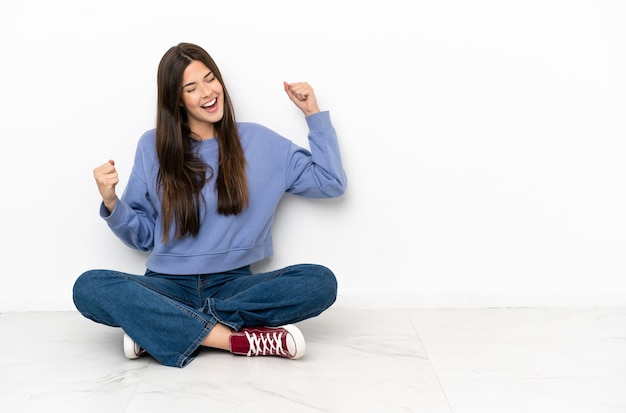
(170,315)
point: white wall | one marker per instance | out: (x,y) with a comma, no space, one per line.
(483,141)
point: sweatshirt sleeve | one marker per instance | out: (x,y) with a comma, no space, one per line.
(134,216)
(317,173)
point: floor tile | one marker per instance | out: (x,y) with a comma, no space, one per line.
(556,395)
(519,322)
(503,360)
(527,357)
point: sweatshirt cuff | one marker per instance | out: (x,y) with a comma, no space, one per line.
(319,121)
(114,217)
(104,212)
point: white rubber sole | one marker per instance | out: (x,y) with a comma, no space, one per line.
(299,345)
(131,349)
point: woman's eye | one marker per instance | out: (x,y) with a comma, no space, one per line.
(190,90)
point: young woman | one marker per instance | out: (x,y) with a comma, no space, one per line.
(201,198)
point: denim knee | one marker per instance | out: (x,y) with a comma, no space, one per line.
(326,283)
(88,288)
(81,287)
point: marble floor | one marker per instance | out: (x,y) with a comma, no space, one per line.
(500,360)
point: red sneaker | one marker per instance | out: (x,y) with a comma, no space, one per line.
(284,341)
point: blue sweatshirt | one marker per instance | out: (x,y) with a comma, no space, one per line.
(275,166)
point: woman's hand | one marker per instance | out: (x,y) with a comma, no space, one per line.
(302,94)
(106,178)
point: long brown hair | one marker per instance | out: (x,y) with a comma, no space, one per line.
(182,173)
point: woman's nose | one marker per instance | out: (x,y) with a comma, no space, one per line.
(205,90)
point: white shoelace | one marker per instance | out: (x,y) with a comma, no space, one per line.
(266,344)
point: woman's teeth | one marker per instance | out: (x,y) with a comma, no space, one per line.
(209,104)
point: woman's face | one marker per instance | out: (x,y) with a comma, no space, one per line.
(203,99)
